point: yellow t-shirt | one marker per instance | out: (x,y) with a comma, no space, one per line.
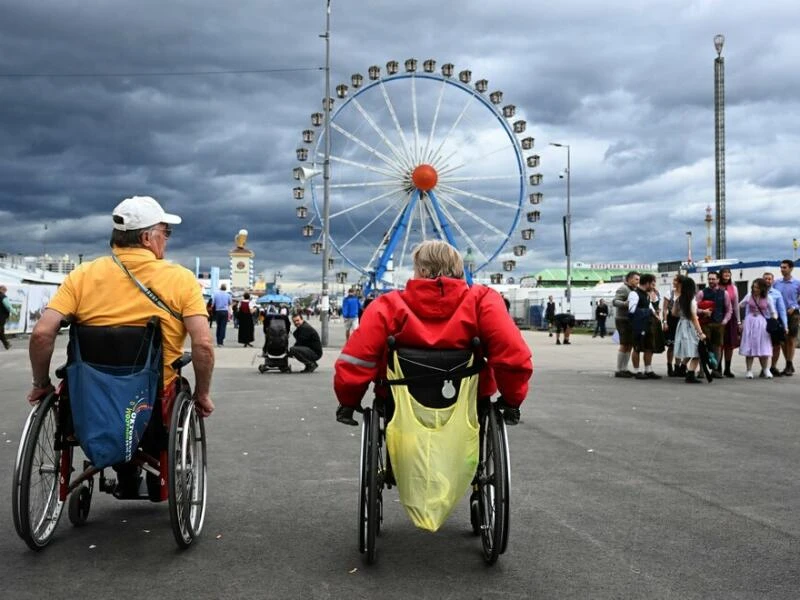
(99,293)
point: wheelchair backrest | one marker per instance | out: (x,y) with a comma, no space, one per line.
(118,346)
(434,376)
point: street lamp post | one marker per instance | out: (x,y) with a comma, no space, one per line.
(326,177)
(567,226)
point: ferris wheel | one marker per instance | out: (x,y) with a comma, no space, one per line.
(418,155)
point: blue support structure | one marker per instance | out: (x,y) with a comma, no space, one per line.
(444,225)
(394,238)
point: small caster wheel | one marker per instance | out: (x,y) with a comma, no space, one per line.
(262,368)
(475,513)
(80,501)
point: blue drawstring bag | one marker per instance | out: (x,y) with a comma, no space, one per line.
(111,405)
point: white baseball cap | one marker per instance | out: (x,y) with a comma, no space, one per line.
(141,212)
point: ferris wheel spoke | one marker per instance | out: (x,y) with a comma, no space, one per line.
(460,192)
(460,230)
(383,183)
(396,151)
(476,160)
(365,202)
(478,178)
(415,117)
(368,225)
(353,163)
(428,143)
(437,227)
(423,232)
(405,243)
(455,203)
(396,121)
(383,237)
(453,127)
(377,153)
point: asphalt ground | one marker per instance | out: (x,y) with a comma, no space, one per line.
(620,489)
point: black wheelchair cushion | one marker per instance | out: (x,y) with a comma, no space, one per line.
(116,346)
(427,368)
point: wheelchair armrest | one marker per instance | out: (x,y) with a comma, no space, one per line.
(181,362)
(61,372)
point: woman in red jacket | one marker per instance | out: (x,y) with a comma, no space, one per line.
(436,310)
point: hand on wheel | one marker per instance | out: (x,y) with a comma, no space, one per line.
(510,413)
(204,404)
(344,414)
(38,393)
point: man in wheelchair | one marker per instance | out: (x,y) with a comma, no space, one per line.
(437,310)
(102,297)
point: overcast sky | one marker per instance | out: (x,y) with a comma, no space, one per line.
(629,85)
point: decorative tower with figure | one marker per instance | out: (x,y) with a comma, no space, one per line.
(241,263)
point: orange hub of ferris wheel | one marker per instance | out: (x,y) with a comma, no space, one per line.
(424,178)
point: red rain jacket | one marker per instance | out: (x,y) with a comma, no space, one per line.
(439,313)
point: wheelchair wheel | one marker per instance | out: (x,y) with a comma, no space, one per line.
(363,515)
(35,497)
(370,484)
(187,470)
(80,502)
(493,485)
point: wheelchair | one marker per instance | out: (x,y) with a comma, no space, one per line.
(171,454)
(425,370)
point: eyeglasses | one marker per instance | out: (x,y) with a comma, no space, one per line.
(167,231)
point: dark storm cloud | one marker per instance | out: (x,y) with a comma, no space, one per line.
(628,86)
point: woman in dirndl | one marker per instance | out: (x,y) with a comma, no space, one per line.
(730,339)
(688,332)
(755,339)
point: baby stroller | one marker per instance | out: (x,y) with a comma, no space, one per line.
(276,344)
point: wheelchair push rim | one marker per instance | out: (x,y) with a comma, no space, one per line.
(187,471)
(370,485)
(493,486)
(36,500)
(363,514)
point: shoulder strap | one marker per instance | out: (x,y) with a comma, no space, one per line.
(146,290)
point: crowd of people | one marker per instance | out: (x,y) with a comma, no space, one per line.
(695,327)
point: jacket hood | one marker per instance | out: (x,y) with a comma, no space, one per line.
(433,299)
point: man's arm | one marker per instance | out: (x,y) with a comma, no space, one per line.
(40,350)
(202,361)
(780,306)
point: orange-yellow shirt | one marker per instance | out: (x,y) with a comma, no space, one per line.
(99,293)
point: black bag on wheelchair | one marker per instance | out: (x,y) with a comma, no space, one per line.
(112,403)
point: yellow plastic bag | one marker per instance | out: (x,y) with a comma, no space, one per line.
(434,452)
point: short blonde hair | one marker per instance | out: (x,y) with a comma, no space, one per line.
(435,258)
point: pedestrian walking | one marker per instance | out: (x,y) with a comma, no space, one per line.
(730,338)
(5,312)
(756,341)
(600,316)
(222,303)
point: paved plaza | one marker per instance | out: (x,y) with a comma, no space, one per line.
(620,489)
